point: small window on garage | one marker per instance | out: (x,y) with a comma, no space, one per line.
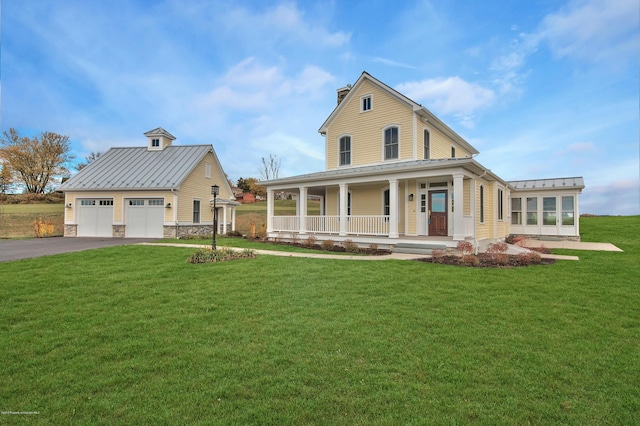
(88,202)
(156,202)
(136,202)
(106,202)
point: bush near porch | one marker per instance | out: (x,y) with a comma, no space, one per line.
(146,338)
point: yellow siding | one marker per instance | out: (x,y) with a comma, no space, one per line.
(197,186)
(411,207)
(485,229)
(466,189)
(366,128)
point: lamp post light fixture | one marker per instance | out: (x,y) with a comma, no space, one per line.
(215,190)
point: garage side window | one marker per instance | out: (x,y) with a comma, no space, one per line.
(196,211)
(88,202)
(136,202)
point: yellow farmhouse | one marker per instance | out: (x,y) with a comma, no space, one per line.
(156,191)
(396,172)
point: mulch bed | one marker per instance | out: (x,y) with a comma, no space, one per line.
(485,260)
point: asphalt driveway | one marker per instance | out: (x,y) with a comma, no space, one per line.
(36,247)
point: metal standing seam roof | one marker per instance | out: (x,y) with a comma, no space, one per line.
(138,168)
(545,184)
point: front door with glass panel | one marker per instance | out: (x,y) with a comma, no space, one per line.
(437,215)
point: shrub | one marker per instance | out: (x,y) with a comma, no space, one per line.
(528,258)
(310,241)
(437,255)
(327,245)
(43,228)
(234,234)
(465,247)
(294,238)
(373,247)
(497,248)
(350,246)
(470,259)
(262,233)
(207,255)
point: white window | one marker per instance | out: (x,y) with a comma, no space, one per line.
(516,211)
(532,210)
(567,210)
(365,103)
(427,145)
(481,204)
(386,202)
(207,170)
(155,143)
(106,202)
(345,150)
(453,152)
(391,143)
(549,210)
(196,211)
(136,202)
(88,202)
(500,204)
(156,202)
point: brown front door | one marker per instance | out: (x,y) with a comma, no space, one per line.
(437,213)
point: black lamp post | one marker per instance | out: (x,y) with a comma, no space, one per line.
(215,190)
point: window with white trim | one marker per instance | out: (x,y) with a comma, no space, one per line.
(365,103)
(391,143)
(532,210)
(453,152)
(386,203)
(481,203)
(196,211)
(106,202)
(427,145)
(155,143)
(136,202)
(516,211)
(500,204)
(345,150)
(568,210)
(156,202)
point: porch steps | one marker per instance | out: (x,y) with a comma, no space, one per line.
(418,248)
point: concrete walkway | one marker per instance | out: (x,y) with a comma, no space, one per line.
(392,256)
(573,245)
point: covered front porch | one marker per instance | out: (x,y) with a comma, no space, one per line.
(415,205)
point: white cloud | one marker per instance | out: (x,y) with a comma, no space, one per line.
(619,197)
(451,95)
(392,63)
(593,29)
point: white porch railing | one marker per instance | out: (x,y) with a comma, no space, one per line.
(356,225)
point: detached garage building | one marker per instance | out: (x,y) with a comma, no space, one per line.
(157,191)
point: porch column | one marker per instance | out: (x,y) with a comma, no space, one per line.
(224,220)
(344,190)
(233,218)
(393,208)
(458,209)
(270,196)
(302,210)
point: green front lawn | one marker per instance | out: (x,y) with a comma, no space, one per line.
(135,335)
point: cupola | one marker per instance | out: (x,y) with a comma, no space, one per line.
(158,139)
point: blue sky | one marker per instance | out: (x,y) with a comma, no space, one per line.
(541,88)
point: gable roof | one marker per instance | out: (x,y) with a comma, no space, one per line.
(138,168)
(421,111)
(546,184)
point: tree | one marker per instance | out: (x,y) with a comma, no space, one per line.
(251,185)
(35,161)
(6,179)
(270,168)
(93,156)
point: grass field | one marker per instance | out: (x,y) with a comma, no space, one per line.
(16,220)
(135,335)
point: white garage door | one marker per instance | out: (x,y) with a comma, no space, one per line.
(145,218)
(95,217)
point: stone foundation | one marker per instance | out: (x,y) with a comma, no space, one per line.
(182,231)
(118,231)
(70,230)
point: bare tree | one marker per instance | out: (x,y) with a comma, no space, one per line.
(93,156)
(270,168)
(35,161)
